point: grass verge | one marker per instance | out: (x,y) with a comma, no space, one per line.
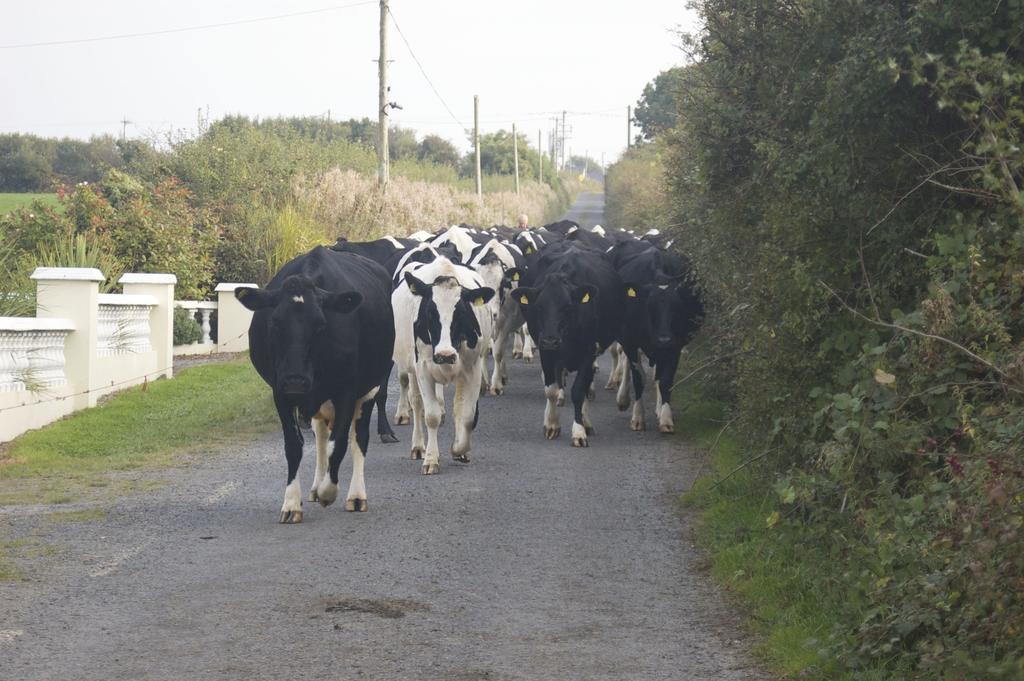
(202,408)
(9,201)
(770,571)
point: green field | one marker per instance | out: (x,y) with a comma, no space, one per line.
(9,202)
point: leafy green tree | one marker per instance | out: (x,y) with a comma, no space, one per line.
(437,150)
(656,111)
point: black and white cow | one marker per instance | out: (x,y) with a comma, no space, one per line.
(663,311)
(573,310)
(322,338)
(443,334)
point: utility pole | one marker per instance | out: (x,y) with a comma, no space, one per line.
(515,155)
(383,171)
(563,139)
(476,143)
(540,164)
(629,127)
(124,127)
(586,163)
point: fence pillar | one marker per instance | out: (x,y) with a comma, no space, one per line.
(161,317)
(233,319)
(73,293)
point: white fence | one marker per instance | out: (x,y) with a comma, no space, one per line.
(82,345)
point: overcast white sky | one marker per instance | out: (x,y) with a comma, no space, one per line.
(526,60)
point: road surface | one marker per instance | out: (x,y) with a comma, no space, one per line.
(535,561)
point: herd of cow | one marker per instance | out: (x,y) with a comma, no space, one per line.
(332,325)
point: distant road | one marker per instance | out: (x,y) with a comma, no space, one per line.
(587,211)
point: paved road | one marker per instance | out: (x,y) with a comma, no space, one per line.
(535,561)
(587,211)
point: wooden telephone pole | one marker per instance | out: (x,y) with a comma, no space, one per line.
(629,126)
(540,163)
(383,171)
(515,154)
(476,143)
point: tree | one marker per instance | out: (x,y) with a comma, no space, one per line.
(436,149)
(656,112)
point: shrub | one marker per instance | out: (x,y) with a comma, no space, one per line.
(186,328)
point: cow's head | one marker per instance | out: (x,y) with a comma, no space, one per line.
(552,309)
(446,319)
(297,326)
(669,310)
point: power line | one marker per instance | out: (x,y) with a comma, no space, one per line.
(424,72)
(184,29)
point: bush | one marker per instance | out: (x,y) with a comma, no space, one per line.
(186,329)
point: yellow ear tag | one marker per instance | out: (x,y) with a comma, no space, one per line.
(479,301)
(523,300)
(631,292)
(586,298)
(529,251)
(515,277)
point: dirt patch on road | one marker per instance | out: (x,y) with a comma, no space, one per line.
(388,608)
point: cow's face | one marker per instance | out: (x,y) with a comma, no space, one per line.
(297,327)
(446,319)
(552,309)
(663,311)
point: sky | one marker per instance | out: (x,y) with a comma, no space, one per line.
(527,60)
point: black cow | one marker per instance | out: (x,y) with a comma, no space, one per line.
(378,250)
(573,312)
(663,312)
(322,337)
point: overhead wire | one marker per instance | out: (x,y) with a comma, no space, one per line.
(183,29)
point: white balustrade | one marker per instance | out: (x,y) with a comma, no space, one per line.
(205,309)
(123,324)
(32,353)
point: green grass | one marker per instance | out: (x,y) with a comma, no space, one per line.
(770,572)
(10,201)
(87,453)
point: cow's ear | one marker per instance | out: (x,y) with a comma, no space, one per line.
(634,292)
(417,287)
(342,302)
(257,298)
(585,294)
(478,296)
(523,295)
(513,275)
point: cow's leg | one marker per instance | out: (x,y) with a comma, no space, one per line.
(465,408)
(359,440)
(517,343)
(637,421)
(322,431)
(383,427)
(527,346)
(552,375)
(432,411)
(666,374)
(587,424)
(291,509)
(613,375)
(504,330)
(403,414)
(327,491)
(629,356)
(419,445)
(580,386)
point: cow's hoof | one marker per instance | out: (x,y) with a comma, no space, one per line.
(388,438)
(327,493)
(580,442)
(461,458)
(528,358)
(496,391)
(623,405)
(416,453)
(637,424)
(516,354)
(402,420)
(611,385)
(552,433)
(312,496)
(666,428)
(579,436)
(431,469)
(290,517)
(357,505)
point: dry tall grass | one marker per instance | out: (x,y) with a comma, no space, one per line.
(353,206)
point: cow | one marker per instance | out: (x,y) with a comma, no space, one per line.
(443,334)
(573,312)
(663,311)
(322,337)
